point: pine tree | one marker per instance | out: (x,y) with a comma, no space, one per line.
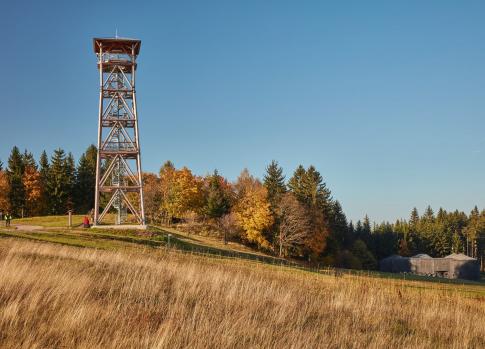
(428,214)
(58,183)
(339,227)
(358,230)
(414,220)
(86,181)
(309,188)
(442,235)
(28,160)
(366,226)
(426,231)
(316,190)
(351,229)
(457,245)
(472,230)
(296,184)
(217,203)
(274,181)
(70,169)
(364,232)
(415,242)
(44,203)
(15,172)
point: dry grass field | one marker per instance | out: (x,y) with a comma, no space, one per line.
(55,296)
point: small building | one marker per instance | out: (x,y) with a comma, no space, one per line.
(454,266)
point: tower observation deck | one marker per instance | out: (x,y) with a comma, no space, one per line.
(119,186)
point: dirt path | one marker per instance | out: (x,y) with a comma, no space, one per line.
(25,227)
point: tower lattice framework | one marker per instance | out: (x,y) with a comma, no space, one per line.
(118,169)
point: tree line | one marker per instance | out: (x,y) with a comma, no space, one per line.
(296,217)
(53,186)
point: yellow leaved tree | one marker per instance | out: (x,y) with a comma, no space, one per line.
(181,191)
(252,209)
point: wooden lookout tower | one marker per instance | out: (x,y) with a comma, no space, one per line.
(118,170)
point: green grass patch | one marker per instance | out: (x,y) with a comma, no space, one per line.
(50,221)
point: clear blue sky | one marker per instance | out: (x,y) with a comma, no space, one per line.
(385,98)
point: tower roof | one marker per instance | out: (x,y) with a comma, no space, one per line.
(117,45)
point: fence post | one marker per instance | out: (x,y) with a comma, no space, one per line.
(69,220)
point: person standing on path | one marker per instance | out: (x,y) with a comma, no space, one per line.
(8,217)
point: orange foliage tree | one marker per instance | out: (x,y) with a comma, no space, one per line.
(4,190)
(33,190)
(252,209)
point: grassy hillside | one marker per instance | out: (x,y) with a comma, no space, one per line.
(53,229)
(62,296)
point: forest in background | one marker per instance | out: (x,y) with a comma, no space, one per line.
(294,217)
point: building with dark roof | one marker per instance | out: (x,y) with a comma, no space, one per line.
(454,266)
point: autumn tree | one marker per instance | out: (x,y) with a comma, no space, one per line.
(252,209)
(228,224)
(294,225)
(152,196)
(4,191)
(33,191)
(181,191)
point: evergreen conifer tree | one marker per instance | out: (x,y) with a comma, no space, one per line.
(274,181)
(217,203)
(339,227)
(70,168)
(28,160)
(414,239)
(86,181)
(296,184)
(44,180)
(15,172)
(414,220)
(309,188)
(58,183)
(366,229)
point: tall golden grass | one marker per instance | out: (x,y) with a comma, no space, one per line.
(54,296)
